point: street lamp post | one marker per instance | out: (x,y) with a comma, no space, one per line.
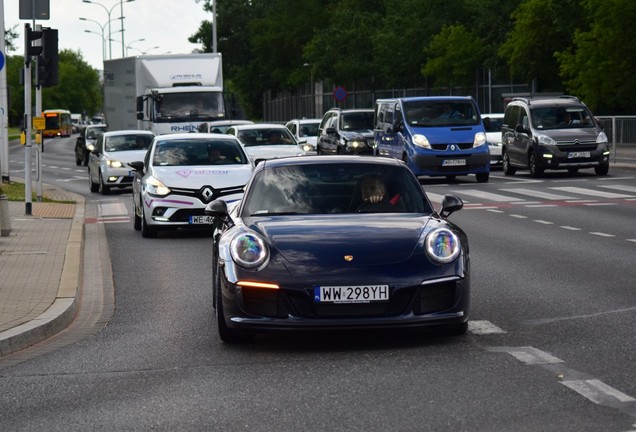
(128,46)
(108,12)
(103,42)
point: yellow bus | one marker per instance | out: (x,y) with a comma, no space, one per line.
(57,122)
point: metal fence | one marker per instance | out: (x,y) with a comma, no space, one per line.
(621,132)
(308,102)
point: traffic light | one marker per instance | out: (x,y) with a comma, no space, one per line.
(30,36)
(47,75)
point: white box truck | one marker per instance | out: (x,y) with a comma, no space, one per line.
(165,94)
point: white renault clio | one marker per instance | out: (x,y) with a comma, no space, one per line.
(181,174)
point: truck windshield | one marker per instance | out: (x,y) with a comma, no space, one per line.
(186,106)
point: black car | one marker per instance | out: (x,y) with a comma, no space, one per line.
(345,132)
(85,142)
(337,242)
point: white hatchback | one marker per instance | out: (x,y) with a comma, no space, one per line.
(264,141)
(108,160)
(492,125)
(181,174)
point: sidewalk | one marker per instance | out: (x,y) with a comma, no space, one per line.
(40,269)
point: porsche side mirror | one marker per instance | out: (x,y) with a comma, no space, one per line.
(450,204)
(218,209)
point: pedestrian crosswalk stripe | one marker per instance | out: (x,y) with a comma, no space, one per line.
(623,188)
(590,192)
(488,195)
(538,194)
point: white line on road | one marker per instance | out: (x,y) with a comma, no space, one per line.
(596,193)
(544,222)
(597,391)
(481,327)
(518,216)
(571,228)
(528,355)
(600,234)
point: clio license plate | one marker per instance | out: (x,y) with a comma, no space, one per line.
(203,220)
(351,294)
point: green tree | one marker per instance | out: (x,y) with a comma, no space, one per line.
(10,37)
(541,28)
(78,89)
(599,66)
(453,56)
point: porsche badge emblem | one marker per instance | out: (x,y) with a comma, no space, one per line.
(348,258)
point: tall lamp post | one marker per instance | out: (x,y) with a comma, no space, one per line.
(128,46)
(103,42)
(103,29)
(109,11)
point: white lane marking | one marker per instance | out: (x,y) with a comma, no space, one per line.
(623,188)
(495,211)
(114,219)
(518,216)
(543,222)
(538,194)
(479,207)
(597,391)
(481,327)
(590,192)
(600,234)
(541,321)
(112,209)
(571,228)
(489,196)
(529,355)
(631,240)
(542,205)
(599,204)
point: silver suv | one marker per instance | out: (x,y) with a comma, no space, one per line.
(552,133)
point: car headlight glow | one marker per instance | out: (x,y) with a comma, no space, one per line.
(480,139)
(249,250)
(546,140)
(442,245)
(155,187)
(355,144)
(602,138)
(90,147)
(421,141)
(308,147)
(114,163)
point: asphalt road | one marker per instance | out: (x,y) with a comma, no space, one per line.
(550,345)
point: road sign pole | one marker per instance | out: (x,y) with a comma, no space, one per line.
(38,113)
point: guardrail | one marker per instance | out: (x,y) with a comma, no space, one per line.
(621,132)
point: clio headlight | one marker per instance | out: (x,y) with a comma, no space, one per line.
(249,250)
(442,245)
(155,187)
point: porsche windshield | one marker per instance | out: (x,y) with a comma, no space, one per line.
(334,188)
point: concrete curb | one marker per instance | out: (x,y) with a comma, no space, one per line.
(64,309)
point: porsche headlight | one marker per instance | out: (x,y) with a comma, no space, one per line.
(421,141)
(480,139)
(249,250)
(442,245)
(155,187)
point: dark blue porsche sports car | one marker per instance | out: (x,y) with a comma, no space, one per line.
(339,242)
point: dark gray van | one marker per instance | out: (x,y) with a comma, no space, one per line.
(552,133)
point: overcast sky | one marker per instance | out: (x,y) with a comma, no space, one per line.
(165,24)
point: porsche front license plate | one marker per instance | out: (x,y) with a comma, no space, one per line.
(573,155)
(351,294)
(454,162)
(201,219)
